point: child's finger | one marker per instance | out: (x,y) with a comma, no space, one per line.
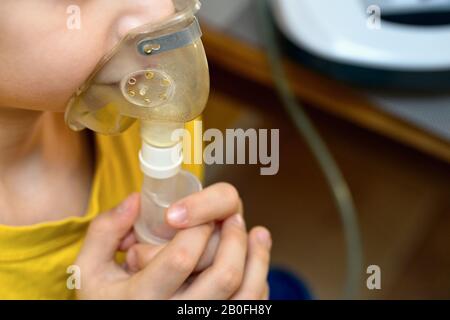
(128,241)
(172,265)
(223,278)
(266,294)
(107,231)
(254,285)
(140,255)
(216,202)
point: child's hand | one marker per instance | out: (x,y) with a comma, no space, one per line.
(214,204)
(164,272)
(219,202)
(103,278)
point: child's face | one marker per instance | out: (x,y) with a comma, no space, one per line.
(43,61)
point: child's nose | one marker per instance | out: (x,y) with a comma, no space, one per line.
(140,12)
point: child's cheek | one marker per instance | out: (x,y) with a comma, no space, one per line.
(44,76)
(42,62)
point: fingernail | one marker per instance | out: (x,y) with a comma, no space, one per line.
(177,215)
(238,220)
(264,238)
(125,205)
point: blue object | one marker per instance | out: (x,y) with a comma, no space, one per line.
(285,285)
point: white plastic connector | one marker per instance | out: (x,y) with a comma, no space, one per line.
(161,163)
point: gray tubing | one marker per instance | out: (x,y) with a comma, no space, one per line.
(338,186)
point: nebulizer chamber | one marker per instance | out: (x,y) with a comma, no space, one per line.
(158,75)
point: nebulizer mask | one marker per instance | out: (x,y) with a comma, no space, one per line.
(158,75)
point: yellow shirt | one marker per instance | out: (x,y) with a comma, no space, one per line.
(34,259)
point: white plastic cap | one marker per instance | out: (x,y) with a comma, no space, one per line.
(161,163)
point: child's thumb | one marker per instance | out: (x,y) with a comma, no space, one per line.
(107,231)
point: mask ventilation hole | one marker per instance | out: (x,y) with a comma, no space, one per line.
(147,88)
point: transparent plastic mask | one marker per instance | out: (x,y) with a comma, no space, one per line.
(157,73)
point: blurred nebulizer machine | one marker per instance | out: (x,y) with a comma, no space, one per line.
(395,44)
(381,44)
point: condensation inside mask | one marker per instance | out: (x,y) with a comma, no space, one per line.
(159,75)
